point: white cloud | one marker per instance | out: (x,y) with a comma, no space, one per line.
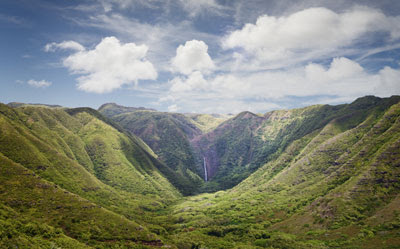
(191,57)
(66,45)
(39,83)
(162,38)
(173,108)
(110,65)
(340,69)
(247,75)
(389,82)
(195,81)
(342,80)
(311,31)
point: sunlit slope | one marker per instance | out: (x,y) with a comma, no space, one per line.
(242,144)
(208,122)
(77,151)
(168,135)
(336,187)
(35,213)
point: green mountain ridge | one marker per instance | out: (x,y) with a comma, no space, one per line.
(88,158)
(242,144)
(315,177)
(168,134)
(336,187)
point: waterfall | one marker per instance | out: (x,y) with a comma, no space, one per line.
(205,169)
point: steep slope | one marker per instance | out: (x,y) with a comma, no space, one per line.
(72,178)
(336,187)
(35,213)
(61,166)
(226,150)
(168,135)
(239,146)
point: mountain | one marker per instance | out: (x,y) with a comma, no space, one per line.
(19,104)
(71,178)
(208,122)
(316,177)
(334,187)
(167,134)
(242,144)
(230,148)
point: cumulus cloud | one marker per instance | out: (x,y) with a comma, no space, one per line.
(195,81)
(39,83)
(110,65)
(193,56)
(342,80)
(389,82)
(66,45)
(311,31)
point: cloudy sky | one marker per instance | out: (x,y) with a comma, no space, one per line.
(212,56)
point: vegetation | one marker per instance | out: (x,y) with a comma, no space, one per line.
(336,187)
(316,177)
(241,145)
(208,122)
(77,173)
(168,135)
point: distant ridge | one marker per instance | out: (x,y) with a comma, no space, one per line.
(18,104)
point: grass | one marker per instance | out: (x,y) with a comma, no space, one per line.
(70,179)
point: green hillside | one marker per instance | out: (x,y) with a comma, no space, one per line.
(72,172)
(336,187)
(316,177)
(208,122)
(168,135)
(242,144)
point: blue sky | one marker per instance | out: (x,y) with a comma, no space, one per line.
(198,55)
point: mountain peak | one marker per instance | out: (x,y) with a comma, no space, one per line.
(246,115)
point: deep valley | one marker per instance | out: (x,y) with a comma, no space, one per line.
(321,176)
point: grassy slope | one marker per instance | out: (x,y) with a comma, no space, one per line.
(336,187)
(87,157)
(168,135)
(332,183)
(243,144)
(207,122)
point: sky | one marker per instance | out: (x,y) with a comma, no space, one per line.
(202,56)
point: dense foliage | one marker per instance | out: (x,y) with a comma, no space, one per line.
(317,177)
(241,145)
(74,172)
(168,135)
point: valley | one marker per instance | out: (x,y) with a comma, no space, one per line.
(321,176)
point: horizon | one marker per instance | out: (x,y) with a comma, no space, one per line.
(198,113)
(207,56)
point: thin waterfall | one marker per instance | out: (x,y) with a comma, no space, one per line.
(205,169)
